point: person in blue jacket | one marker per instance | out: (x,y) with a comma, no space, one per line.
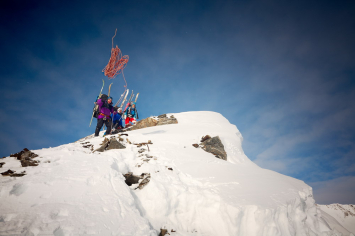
(131,113)
(117,119)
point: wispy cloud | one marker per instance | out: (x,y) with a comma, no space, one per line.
(339,190)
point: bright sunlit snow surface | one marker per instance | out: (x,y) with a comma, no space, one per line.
(76,192)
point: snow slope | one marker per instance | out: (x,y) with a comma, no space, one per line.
(336,214)
(76,192)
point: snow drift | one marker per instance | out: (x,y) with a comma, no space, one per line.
(74,191)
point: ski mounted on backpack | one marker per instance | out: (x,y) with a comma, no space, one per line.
(124,99)
(130,98)
(109,90)
(96,106)
(121,97)
(129,102)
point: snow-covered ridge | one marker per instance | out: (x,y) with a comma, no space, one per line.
(74,191)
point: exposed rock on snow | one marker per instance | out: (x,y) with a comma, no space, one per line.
(204,138)
(13,174)
(103,146)
(214,145)
(26,158)
(145,181)
(134,179)
(164,120)
(87,145)
(150,122)
(1,164)
(163,232)
(109,144)
(195,145)
(114,144)
(7,173)
(145,123)
(25,153)
(28,162)
(131,178)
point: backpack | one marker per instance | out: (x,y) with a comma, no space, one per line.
(96,112)
(103,97)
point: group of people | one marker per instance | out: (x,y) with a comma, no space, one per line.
(112,116)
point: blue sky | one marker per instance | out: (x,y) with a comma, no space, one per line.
(283,72)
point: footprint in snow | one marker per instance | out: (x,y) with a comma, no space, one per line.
(18,189)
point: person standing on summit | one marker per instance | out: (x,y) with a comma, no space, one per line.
(105,109)
(131,112)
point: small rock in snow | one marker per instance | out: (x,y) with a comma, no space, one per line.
(163,232)
(7,173)
(204,138)
(131,179)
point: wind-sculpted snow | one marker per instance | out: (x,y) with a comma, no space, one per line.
(74,191)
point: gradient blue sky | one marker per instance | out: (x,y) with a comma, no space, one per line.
(282,71)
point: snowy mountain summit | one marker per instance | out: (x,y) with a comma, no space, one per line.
(179,189)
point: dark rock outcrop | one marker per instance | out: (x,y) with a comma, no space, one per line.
(131,179)
(109,144)
(25,163)
(214,145)
(24,154)
(204,138)
(26,158)
(163,232)
(13,174)
(134,179)
(1,164)
(114,144)
(8,172)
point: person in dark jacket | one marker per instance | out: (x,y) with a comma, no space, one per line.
(131,114)
(105,110)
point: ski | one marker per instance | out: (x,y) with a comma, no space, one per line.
(92,116)
(129,101)
(130,98)
(109,90)
(136,97)
(124,99)
(119,100)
